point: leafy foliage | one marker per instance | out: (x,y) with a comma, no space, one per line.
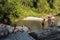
(18,9)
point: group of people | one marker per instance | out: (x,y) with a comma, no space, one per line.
(7,29)
(50,20)
(6,26)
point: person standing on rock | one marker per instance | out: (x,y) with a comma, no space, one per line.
(49,21)
(53,22)
(15,28)
(43,23)
(22,29)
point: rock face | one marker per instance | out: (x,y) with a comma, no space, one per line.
(18,36)
(5,30)
(52,33)
(49,34)
(6,34)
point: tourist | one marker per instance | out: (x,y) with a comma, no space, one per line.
(52,24)
(24,28)
(43,23)
(15,29)
(53,21)
(49,21)
(6,21)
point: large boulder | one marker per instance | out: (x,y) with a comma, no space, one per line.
(18,36)
(49,33)
(5,30)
